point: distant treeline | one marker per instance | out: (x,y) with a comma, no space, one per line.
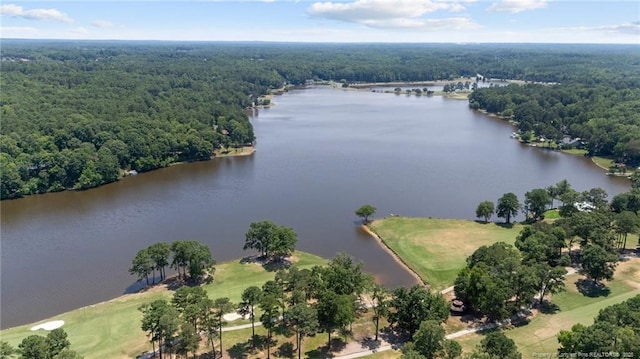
(76,114)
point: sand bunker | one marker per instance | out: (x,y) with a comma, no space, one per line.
(48,325)
(231,317)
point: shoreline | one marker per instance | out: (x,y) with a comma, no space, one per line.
(245,151)
(592,158)
(394,255)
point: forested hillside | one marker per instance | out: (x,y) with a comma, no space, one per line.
(76,114)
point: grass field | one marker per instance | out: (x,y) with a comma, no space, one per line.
(112,329)
(539,335)
(436,249)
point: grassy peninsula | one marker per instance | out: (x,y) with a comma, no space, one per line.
(436,249)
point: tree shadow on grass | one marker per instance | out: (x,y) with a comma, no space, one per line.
(393,337)
(285,350)
(275,265)
(240,350)
(269,264)
(369,343)
(323,352)
(505,225)
(548,308)
(592,289)
(482,221)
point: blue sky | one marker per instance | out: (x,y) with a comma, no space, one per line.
(549,21)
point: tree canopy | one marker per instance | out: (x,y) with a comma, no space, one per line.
(273,241)
(365,212)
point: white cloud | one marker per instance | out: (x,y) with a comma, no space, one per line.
(102,24)
(632,28)
(515,6)
(452,23)
(366,10)
(394,14)
(13,10)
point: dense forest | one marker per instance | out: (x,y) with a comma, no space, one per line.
(605,116)
(78,114)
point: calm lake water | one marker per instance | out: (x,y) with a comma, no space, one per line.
(321,153)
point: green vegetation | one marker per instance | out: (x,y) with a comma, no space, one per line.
(600,117)
(437,249)
(112,329)
(508,206)
(485,210)
(615,329)
(78,116)
(539,335)
(365,212)
(500,280)
(274,242)
(551,214)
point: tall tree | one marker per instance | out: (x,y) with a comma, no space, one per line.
(192,257)
(334,311)
(365,212)
(485,210)
(598,264)
(304,321)
(159,253)
(411,306)
(283,242)
(379,305)
(625,222)
(344,276)
(189,303)
(498,345)
(222,306)
(429,338)
(508,206)
(536,202)
(160,322)
(250,298)
(259,236)
(550,280)
(273,241)
(142,265)
(187,340)
(270,314)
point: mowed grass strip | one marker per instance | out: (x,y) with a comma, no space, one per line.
(436,249)
(112,329)
(540,334)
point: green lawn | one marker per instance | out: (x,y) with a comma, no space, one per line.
(436,249)
(552,214)
(112,329)
(539,335)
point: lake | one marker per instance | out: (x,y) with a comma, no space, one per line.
(321,154)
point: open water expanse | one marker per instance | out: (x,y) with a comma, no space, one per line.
(321,153)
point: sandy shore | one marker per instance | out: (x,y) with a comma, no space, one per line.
(245,151)
(393,255)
